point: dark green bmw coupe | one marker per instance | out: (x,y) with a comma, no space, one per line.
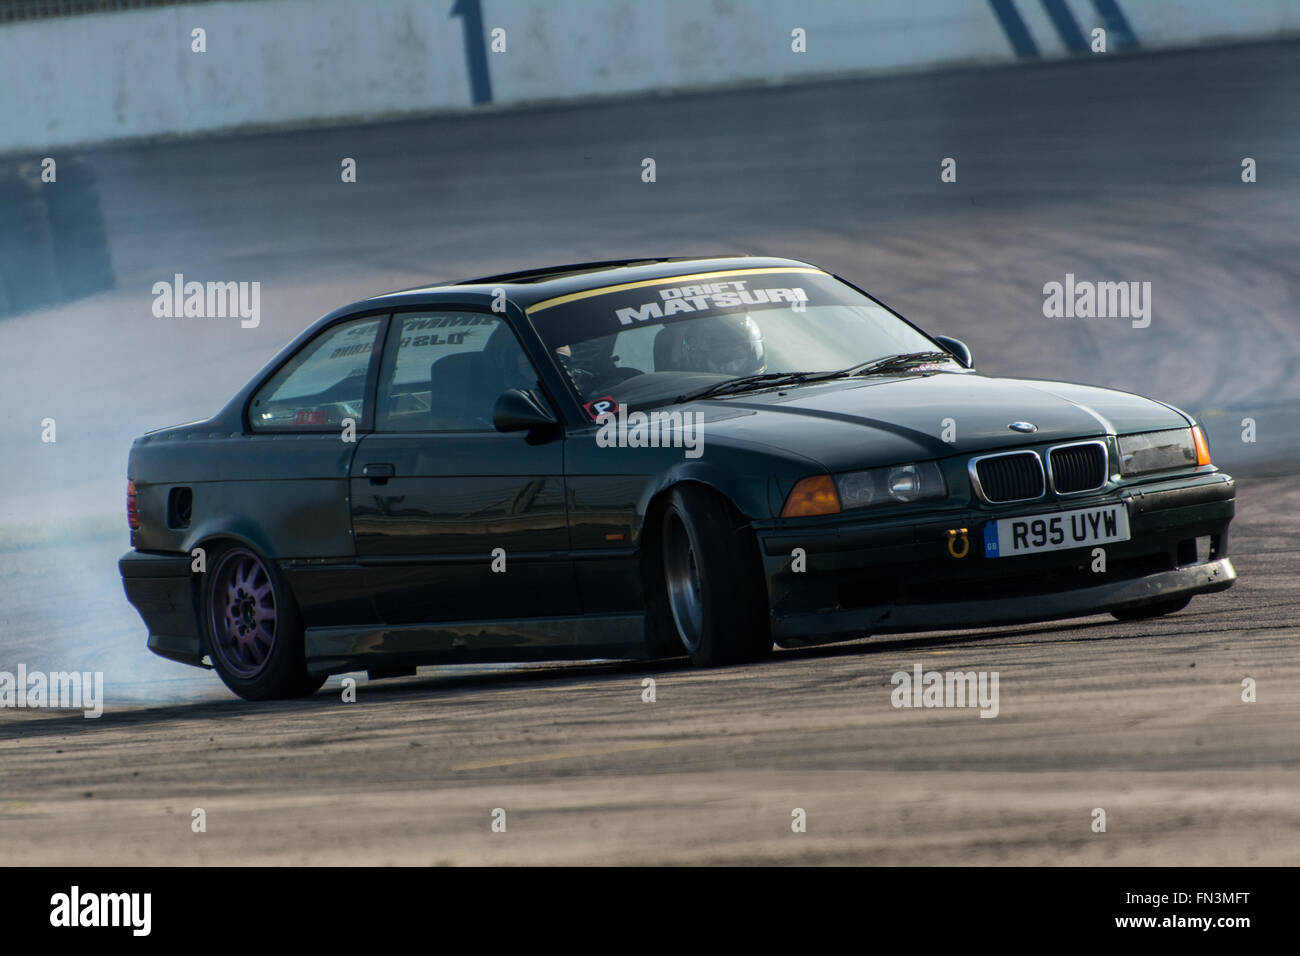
(642,459)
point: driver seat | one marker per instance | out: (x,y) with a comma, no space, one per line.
(668,350)
(458,392)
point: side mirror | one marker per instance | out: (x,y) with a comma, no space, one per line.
(958,348)
(517,411)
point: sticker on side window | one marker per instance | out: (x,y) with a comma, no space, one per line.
(601,406)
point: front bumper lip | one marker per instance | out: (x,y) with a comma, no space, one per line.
(837,624)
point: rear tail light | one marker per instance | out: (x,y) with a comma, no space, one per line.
(132,510)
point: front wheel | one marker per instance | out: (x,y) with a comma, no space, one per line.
(255,637)
(712,596)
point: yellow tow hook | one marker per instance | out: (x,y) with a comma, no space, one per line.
(955,535)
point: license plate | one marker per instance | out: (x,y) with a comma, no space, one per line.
(1056,532)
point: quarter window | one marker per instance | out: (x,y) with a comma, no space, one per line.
(322,385)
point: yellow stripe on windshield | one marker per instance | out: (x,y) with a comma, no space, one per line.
(587,293)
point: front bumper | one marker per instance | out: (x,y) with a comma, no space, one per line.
(888,576)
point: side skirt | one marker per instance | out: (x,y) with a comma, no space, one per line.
(334,650)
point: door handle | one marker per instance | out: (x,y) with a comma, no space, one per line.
(379,472)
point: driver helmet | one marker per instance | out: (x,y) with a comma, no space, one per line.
(726,344)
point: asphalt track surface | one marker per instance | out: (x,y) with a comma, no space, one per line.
(1111,171)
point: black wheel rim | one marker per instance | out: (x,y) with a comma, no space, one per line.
(682,580)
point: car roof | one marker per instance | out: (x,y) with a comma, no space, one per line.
(530,286)
(524,288)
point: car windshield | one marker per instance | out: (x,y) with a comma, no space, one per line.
(650,343)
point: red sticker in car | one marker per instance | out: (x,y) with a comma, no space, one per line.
(311,416)
(601,406)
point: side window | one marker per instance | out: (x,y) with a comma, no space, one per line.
(322,385)
(444,371)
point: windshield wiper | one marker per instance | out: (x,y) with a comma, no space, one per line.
(746,382)
(894,363)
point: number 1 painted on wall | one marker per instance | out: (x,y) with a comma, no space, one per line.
(471,14)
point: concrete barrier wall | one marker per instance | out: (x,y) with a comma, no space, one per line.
(268,63)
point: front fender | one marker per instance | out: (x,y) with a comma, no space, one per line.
(755,480)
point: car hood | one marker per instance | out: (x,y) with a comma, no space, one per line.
(860,423)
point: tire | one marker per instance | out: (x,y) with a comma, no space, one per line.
(709,596)
(253,629)
(1144,611)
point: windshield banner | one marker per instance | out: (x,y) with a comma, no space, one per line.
(605,311)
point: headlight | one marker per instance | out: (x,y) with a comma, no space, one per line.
(898,484)
(1160,451)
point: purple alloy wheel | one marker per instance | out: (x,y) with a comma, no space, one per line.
(243,613)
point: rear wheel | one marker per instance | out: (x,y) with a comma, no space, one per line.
(710,597)
(1158,609)
(255,637)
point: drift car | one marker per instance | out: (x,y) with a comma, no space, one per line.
(645,459)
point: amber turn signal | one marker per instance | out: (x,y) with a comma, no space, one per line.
(1202,446)
(812,496)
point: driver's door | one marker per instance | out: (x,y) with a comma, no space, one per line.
(436,490)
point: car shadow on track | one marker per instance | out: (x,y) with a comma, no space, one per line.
(396,690)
